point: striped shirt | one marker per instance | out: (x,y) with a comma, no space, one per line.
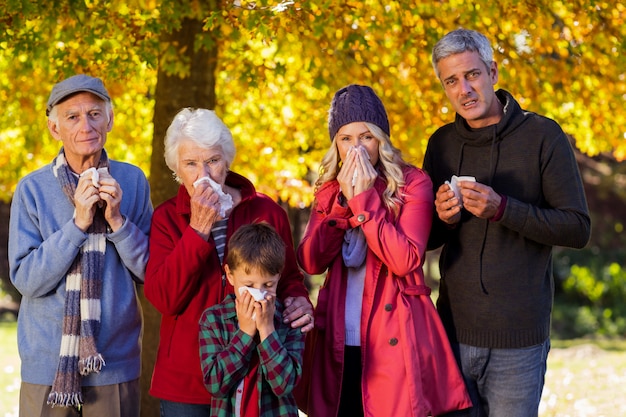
(218,231)
(225,353)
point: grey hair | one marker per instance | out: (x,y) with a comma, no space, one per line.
(459,41)
(201,126)
(54,112)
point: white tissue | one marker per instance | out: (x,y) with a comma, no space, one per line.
(453,183)
(356,174)
(258,295)
(95,175)
(225,200)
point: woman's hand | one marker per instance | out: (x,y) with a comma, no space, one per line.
(205,209)
(366,174)
(357,173)
(346,174)
(299,312)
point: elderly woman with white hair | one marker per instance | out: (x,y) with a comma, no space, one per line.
(188,239)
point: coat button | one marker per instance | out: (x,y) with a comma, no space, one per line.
(393,341)
(388,307)
(361,218)
(332,223)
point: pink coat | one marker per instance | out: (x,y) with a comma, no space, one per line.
(408,366)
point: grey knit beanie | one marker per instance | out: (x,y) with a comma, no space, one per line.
(356,103)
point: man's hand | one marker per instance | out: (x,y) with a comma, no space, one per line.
(448,207)
(479,199)
(86,198)
(110,193)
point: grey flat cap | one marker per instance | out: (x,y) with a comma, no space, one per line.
(76,84)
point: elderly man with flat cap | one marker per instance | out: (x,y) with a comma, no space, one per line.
(78,245)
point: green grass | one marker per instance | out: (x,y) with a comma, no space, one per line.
(585,378)
(9,369)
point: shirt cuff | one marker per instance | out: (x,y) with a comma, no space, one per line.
(501,208)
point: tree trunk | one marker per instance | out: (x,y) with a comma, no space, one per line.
(172,94)
(5,283)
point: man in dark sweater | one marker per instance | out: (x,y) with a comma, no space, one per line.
(496,286)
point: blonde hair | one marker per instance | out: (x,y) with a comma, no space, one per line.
(390,165)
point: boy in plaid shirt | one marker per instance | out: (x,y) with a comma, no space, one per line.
(251,360)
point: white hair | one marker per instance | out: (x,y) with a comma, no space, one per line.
(201,126)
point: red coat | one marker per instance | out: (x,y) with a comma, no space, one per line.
(184,277)
(408,366)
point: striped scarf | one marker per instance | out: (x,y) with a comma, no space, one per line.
(83,285)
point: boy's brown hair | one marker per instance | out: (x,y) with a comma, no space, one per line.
(256,246)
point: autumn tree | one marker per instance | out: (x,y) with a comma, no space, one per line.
(276,65)
(269,68)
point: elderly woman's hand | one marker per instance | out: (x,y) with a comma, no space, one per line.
(205,209)
(299,312)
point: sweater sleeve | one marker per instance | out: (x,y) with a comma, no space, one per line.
(563,219)
(439,232)
(131,240)
(177,256)
(43,239)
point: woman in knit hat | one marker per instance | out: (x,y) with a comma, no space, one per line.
(378,347)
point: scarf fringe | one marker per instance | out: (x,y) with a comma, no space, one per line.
(91,364)
(65,399)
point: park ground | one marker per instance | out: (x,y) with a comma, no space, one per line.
(584,379)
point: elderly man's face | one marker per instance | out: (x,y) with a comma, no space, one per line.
(82,126)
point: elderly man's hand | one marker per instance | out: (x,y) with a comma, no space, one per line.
(86,198)
(111,193)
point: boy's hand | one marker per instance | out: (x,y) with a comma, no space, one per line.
(264,310)
(245,307)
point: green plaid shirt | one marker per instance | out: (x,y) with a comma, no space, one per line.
(225,353)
